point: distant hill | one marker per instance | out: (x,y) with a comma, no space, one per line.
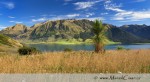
(142,31)
(118,35)
(67,30)
(14,31)
(7,41)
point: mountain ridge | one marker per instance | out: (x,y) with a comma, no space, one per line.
(138,30)
(70,29)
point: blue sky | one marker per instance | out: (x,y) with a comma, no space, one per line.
(116,12)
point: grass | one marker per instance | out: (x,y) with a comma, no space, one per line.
(7,49)
(63,42)
(56,42)
(5,40)
(113,61)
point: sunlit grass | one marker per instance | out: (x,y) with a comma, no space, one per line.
(66,42)
(113,61)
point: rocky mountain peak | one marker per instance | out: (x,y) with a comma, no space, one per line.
(17,27)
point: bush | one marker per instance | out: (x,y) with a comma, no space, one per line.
(120,48)
(67,50)
(28,51)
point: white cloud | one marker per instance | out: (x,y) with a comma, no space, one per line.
(16,22)
(85,5)
(104,13)
(39,20)
(89,14)
(132,15)
(9,5)
(124,15)
(11,17)
(72,15)
(68,16)
(141,14)
(118,18)
(109,5)
(93,18)
(2,27)
(115,9)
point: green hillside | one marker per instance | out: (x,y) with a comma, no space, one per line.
(7,41)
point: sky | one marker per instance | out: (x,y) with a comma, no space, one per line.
(116,12)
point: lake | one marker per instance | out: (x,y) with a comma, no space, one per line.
(88,47)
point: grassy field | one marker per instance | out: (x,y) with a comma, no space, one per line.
(113,61)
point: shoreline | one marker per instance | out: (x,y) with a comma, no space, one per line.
(68,43)
(76,43)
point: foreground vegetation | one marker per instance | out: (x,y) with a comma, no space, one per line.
(100,38)
(113,61)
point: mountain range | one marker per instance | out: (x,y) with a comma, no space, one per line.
(79,30)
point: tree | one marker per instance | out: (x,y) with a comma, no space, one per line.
(99,38)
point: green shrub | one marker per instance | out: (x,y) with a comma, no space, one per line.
(120,48)
(67,50)
(28,51)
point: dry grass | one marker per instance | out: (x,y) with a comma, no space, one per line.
(114,61)
(7,49)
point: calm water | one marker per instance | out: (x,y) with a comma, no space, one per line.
(60,47)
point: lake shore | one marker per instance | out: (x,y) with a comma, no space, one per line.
(113,61)
(67,43)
